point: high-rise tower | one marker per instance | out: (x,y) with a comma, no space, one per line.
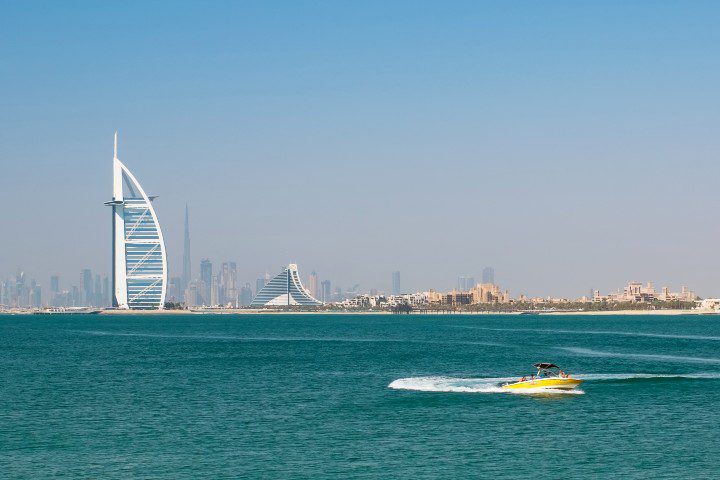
(326,291)
(87,287)
(488,275)
(466,283)
(206,275)
(139,266)
(313,284)
(396,283)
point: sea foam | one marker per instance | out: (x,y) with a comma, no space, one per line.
(471,385)
(494,385)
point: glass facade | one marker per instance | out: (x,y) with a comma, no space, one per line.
(139,260)
(284,290)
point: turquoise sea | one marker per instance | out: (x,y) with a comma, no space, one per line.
(356,396)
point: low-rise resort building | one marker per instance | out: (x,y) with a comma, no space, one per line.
(285,290)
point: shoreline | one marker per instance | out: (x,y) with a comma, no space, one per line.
(637,312)
(242,311)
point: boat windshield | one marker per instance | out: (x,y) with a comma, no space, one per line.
(547,370)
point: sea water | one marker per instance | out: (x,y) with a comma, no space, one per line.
(356,396)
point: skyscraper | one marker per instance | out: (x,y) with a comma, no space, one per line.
(232,290)
(488,275)
(193,296)
(246,295)
(228,284)
(396,283)
(35,297)
(206,276)
(325,291)
(186,275)
(19,292)
(55,298)
(214,290)
(75,297)
(313,284)
(465,283)
(139,267)
(86,282)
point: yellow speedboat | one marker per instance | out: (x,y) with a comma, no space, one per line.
(548,375)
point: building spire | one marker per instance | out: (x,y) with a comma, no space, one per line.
(115,155)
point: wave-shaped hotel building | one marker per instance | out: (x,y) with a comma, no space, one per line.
(284,290)
(139,261)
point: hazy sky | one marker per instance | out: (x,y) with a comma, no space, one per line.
(568,144)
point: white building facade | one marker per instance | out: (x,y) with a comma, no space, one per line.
(139,261)
(285,289)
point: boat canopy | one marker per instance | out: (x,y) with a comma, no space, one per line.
(545,365)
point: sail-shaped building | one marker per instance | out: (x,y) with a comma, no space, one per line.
(285,290)
(139,262)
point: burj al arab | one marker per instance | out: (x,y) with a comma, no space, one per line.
(139,261)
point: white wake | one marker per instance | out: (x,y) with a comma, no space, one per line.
(494,385)
(471,385)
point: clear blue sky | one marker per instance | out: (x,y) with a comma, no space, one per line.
(569,144)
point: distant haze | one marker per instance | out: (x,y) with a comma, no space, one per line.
(569,145)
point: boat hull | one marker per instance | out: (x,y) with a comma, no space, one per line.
(554,383)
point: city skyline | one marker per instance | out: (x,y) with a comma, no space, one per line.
(227,289)
(336,123)
(139,278)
